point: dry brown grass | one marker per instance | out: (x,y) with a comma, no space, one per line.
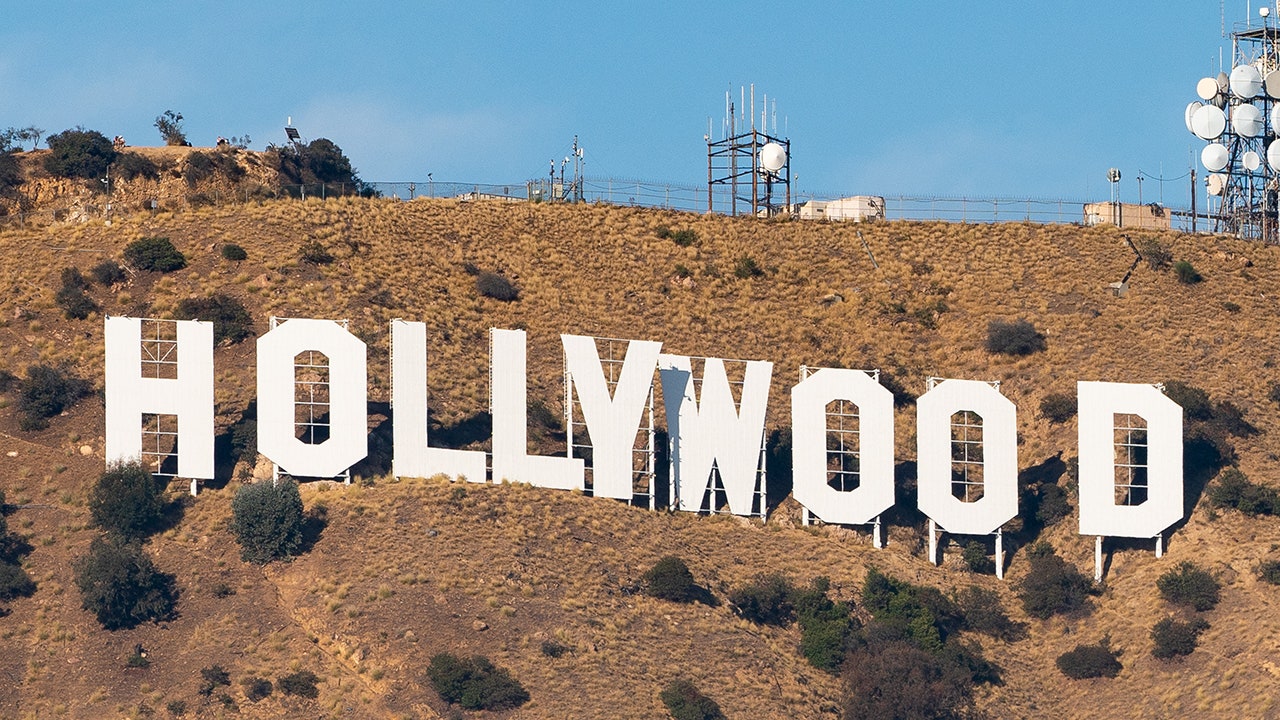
(404,569)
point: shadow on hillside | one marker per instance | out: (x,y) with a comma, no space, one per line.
(238,441)
(477,428)
(377,462)
(1202,460)
(777,463)
(313,525)
(1041,503)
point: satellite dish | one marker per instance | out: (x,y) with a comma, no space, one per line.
(1271,84)
(1191,108)
(1207,88)
(1251,161)
(1216,183)
(1273,155)
(1264,11)
(1208,122)
(772,157)
(1224,82)
(1113,175)
(1215,156)
(1245,81)
(1246,120)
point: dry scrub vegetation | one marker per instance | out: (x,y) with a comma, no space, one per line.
(405,570)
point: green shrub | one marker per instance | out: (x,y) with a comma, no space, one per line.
(1157,255)
(169,123)
(176,708)
(211,678)
(662,232)
(825,626)
(15,582)
(765,601)
(131,165)
(1051,586)
(1185,273)
(1018,337)
(127,501)
(234,252)
(684,238)
(1269,571)
(498,287)
(746,267)
(983,612)
(79,153)
(122,587)
(72,278)
(1230,307)
(1089,661)
(1234,490)
(475,684)
(553,649)
(107,272)
(670,579)
(75,304)
(917,613)
(46,392)
(315,253)
(1052,504)
(685,702)
(896,679)
(1058,407)
(975,557)
(683,271)
(1174,638)
(231,321)
(1189,585)
(267,520)
(154,253)
(256,688)
(301,683)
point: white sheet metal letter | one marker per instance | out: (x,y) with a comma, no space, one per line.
(612,422)
(412,456)
(809,400)
(1099,403)
(348,441)
(188,396)
(507,402)
(711,432)
(999,502)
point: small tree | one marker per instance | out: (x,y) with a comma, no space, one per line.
(301,683)
(1186,273)
(267,520)
(1058,407)
(122,587)
(975,556)
(765,600)
(685,702)
(154,253)
(46,392)
(1052,586)
(1175,638)
(1089,661)
(107,272)
(475,683)
(1189,585)
(1018,337)
(79,153)
(670,579)
(169,123)
(127,501)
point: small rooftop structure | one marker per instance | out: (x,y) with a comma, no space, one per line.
(856,208)
(1127,215)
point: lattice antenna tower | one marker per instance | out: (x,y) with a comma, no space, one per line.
(1238,114)
(752,162)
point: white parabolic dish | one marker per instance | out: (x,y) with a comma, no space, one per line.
(1245,81)
(1273,155)
(1251,161)
(1246,120)
(772,157)
(1215,156)
(1191,109)
(1207,88)
(1275,116)
(1215,183)
(1271,84)
(1208,122)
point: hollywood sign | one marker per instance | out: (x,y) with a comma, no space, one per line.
(710,435)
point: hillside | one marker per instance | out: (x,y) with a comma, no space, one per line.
(403,570)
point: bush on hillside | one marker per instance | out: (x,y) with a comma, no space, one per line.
(1018,337)
(496,286)
(46,392)
(1269,571)
(896,679)
(983,612)
(315,253)
(684,238)
(1089,661)
(233,252)
(685,702)
(1189,585)
(1051,586)
(746,267)
(14,582)
(131,165)
(10,173)
(213,677)
(267,520)
(301,683)
(1233,489)
(169,123)
(107,272)
(122,587)
(127,501)
(231,321)
(765,600)
(256,688)
(976,558)
(1158,256)
(154,253)
(1058,407)
(75,304)
(1185,273)
(826,627)
(80,153)
(670,579)
(475,683)
(1052,504)
(1175,638)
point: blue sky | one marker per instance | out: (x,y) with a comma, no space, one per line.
(974,99)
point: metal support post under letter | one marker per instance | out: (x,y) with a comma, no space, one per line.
(877,540)
(1000,553)
(933,542)
(1097,559)
(804,516)
(1160,545)
(195,487)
